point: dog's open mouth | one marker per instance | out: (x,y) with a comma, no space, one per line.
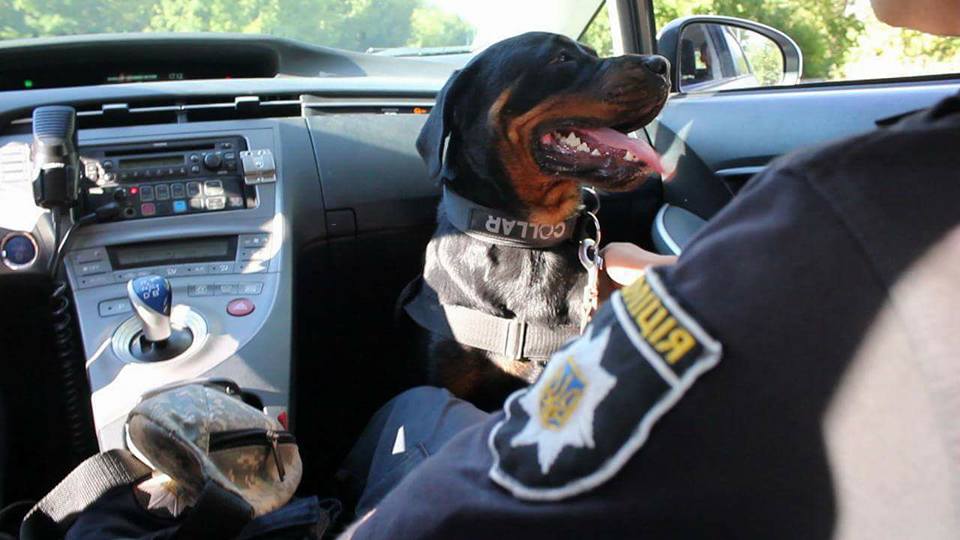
(602,152)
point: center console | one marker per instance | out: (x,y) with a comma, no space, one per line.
(204,212)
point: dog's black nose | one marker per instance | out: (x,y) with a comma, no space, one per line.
(657,64)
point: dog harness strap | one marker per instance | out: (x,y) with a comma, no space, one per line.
(498,227)
(509,337)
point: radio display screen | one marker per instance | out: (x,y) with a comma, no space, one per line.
(164,161)
(222,248)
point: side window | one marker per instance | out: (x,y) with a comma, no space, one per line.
(840,40)
(597,34)
(699,61)
(740,64)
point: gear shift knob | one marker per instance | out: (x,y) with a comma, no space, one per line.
(151,298)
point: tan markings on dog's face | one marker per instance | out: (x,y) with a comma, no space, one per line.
(551,198)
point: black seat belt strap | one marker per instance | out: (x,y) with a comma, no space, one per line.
(217,514)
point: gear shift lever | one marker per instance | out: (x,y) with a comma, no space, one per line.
(151,298)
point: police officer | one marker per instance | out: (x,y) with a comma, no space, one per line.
(795,375)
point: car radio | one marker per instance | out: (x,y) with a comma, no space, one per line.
(167,178)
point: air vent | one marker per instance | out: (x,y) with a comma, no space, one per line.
(14,164)
(360,105)
(185,110)
(244,107)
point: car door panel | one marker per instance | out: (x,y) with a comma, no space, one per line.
(717,141)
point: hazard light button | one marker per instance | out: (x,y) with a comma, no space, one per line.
(240,307)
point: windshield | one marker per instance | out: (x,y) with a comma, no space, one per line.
(394,27)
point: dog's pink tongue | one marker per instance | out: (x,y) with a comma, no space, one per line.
(615,139)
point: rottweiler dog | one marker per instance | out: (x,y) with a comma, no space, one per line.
(520,129)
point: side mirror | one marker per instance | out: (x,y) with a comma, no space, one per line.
(710,53)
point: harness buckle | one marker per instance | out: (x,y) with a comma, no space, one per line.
(516,339)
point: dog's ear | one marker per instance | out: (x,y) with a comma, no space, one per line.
(433,137)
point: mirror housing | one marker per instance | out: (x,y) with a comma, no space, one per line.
(668,45)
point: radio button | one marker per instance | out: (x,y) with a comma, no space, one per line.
(235,201)
(253,267)
(164,208)
(221,268)
(176,191)
(116,306)
(147,209)
(229,155)
(146,193)
(196,203)
(227,288)
(89,255)
(107,165)
(163,192)
(93,281)
(193,189)
(195,169)
(216,203)
(200,290)
(95,267)
(179,207)
(254,240)
(213,187)
(194,158)
(197,269)
(254,254)
(250,288)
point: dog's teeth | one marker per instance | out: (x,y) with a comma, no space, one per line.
(630,157)
(573,140)
(583,147)
(595,152)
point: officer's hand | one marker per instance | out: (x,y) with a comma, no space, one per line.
(624,262)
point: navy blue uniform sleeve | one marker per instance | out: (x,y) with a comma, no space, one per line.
(691,406)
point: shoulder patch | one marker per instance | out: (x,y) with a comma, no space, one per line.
(594,404)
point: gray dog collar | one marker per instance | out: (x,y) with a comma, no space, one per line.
(497,227)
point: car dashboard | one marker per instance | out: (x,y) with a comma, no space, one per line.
(219,182)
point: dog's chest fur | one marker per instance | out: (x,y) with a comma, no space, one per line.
(539,286)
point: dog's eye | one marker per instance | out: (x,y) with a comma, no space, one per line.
(561,58)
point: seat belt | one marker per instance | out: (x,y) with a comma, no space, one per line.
(217,513)
(52,516)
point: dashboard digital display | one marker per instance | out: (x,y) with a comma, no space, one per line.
(173,252)
(66,70)
(163,161)
(145,77)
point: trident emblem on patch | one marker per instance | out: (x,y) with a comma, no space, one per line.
(561,395)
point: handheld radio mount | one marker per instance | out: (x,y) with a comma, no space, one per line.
(55,157)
